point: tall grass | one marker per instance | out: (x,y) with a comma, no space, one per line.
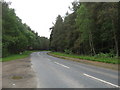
(100,58)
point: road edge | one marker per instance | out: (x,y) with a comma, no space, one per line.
(95,63)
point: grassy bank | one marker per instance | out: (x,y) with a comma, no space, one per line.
(92,58)
(17,56)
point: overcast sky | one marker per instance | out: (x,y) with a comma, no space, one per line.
(39,14)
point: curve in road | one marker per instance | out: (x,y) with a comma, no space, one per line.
(54,72)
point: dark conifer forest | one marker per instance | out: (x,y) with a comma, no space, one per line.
(91,28)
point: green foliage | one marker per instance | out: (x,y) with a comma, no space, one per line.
(18,37)
(91,29)
(68,51)
(103,55)
(92,58)
(17,56)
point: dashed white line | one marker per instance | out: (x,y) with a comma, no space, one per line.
(62,65)
(48,59)
(13,84)
(101,80)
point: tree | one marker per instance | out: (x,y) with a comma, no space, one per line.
(85,24)
(91,28)
(18,37)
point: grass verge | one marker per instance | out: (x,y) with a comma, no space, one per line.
(16,56)
(90,58)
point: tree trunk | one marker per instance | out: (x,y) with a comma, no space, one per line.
(115,40)
(116,45)
(91,43)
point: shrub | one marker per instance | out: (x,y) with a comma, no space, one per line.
(105,55)
(67,51)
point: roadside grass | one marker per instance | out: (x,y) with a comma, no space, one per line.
(92,58)
(16,56)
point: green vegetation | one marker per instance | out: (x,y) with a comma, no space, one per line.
(17,36)
(17,56)
(90,32)
(100,58)
(91,29)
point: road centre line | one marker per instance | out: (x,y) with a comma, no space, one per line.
(62,65)
(101,80)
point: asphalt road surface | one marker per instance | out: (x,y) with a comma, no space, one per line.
(54,72)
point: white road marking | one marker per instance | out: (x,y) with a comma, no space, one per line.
(101,80)
(13,84)
(62,65)
(49,60)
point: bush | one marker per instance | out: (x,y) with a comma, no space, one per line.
(5,52)
(67,51)
(105,55)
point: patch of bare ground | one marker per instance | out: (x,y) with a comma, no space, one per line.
(18,74)
(95,63)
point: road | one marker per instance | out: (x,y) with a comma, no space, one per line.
(54,72)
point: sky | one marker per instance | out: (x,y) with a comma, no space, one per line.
(39,14)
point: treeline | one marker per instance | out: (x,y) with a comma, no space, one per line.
(92,28)
(18,37)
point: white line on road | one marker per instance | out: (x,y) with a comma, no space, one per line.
(62,65)
(101,80)
(13,84)
(49,60)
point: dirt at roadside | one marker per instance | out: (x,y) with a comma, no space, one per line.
(18,74)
